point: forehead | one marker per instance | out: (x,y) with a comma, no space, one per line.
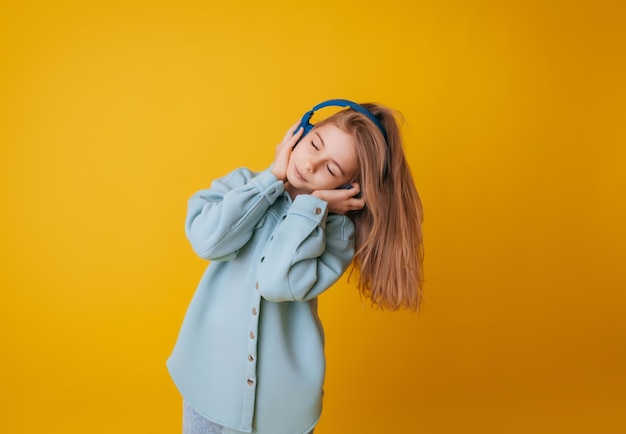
(335,138)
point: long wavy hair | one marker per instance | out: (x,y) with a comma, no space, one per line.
(389,247)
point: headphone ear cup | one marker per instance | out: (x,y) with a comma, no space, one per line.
(307,129)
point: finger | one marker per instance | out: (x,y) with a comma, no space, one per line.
(295,137)
(355,204)
(353,192)
(291,130)
(293,140)
(285,153)
(290,140)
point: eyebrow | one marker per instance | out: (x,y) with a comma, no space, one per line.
(334,161)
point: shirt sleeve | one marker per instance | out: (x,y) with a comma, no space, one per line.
(221,220)
(307,253)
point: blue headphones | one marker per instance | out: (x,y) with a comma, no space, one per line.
(306,124)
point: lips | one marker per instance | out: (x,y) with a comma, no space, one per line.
(299,175)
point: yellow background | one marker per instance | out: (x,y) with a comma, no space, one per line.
(113,113)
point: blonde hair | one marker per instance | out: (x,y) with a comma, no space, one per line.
(389,247)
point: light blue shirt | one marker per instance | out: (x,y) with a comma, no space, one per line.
(250,353)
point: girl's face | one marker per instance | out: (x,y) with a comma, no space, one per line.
(324,159)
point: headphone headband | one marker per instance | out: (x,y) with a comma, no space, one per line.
(344,103)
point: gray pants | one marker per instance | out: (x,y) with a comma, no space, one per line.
(195,423)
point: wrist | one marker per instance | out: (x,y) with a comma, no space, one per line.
(279,176)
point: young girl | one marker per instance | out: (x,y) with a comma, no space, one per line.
(250,354)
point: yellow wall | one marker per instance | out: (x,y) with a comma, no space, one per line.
(113,113)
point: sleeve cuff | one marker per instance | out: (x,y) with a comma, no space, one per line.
(268,185)
(310,207)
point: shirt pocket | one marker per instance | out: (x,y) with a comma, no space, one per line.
(261,222)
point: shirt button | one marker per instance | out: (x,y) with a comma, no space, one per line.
(250,382)
(252,335)
(284,217)
(263,259)
(254,311)
(250,358)
(256,285)
(318,210)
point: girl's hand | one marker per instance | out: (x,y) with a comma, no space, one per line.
(283,152)
(340,201)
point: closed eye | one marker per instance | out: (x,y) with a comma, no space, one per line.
(316,148)
(331,172)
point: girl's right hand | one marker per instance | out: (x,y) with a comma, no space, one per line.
(341,201)
(283,152)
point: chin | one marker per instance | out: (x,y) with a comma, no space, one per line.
(298,188)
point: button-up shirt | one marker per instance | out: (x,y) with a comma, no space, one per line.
(250,352)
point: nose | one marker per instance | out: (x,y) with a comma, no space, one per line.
(311,165)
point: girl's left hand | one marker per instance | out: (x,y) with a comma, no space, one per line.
(340,201)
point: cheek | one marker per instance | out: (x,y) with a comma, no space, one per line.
(294,154)
(299,150)
(352,175)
